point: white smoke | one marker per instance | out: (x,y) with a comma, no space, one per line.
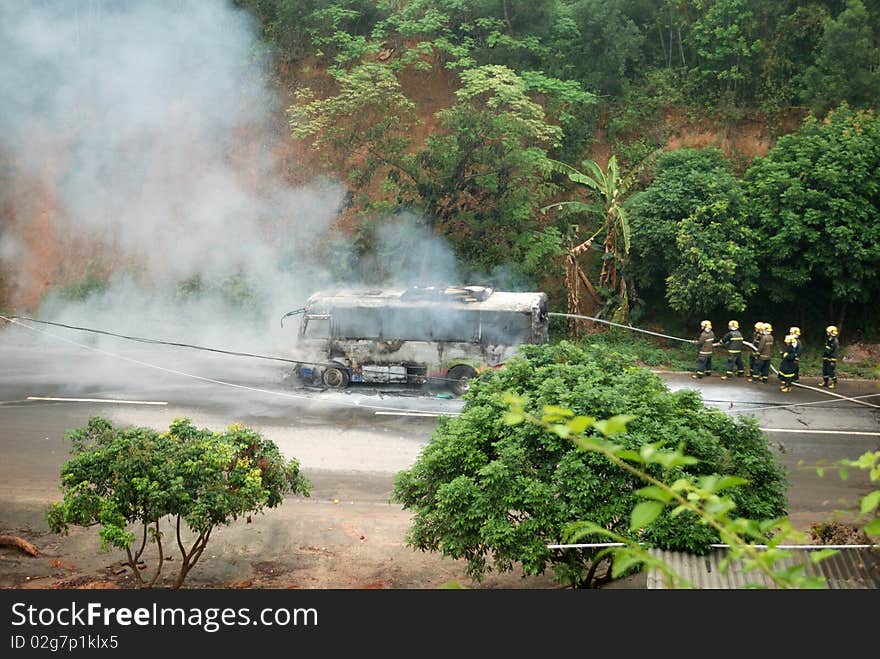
(151,124)
(153,130)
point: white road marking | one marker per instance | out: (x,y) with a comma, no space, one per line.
(100,400)
(428,414)
(821,432)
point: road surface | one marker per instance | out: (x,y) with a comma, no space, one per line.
(350,444)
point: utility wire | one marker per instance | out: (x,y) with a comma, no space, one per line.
(193,347)
(157,341)
(14,319)
(283,394)
(775,406)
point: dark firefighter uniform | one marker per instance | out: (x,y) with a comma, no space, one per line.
(733,341)
(765,352)
(829,358)
(753,356)
(788,365)
(705,344)
(798,349)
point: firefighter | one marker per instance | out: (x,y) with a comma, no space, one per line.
(765,352)
(753,356)
(829,358)
(733,341)
(798,349)
(704,350)
(787,367)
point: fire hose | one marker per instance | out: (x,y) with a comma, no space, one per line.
(691,341)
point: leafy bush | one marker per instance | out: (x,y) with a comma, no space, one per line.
(497,494)
(119,477)
(813,198)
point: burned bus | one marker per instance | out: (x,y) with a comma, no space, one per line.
(414,335)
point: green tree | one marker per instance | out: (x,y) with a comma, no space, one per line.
(682,181)
(477,180)
(792,30)
(366,124)
(295,29)
(848,64)
(596,43)
(725,41)
(482,175)
(716,267)
(814,202)
(119,478)
(496,494)
(707,498)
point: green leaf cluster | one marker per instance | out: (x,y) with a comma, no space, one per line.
(682,181)
(805,215)
(124,478)
(814,202)
(477,179)
(494,490)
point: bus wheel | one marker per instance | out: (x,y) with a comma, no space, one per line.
(335,378)
(460,378)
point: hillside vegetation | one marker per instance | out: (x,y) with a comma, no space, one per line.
(650,162)
(740,136)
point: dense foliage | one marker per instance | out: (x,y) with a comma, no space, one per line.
(533,84)
(683,182)
(805,215)
(478,178)
(123,477)
(737,52)
(497,494)
(815,203)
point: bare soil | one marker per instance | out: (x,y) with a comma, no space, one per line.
(314,543)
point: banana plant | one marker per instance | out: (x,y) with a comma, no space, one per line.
(610,188)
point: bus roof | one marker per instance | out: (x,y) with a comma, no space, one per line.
(478,298)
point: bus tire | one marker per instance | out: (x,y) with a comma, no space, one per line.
(460,378)
(335,377)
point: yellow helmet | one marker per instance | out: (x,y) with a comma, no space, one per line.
(794,331)
(759,326)
(768,327)
(733,324)
(789,338)
(831,330)
(706,324)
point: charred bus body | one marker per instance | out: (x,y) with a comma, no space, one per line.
(415,335)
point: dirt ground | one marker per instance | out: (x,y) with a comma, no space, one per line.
(344,542)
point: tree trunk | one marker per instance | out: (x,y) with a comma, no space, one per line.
(507,18)
(132,563)
(571,290)
(161,560)
(19,543)
(680,47)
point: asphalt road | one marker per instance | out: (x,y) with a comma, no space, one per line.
(807,429)
(372,430)
(350,443)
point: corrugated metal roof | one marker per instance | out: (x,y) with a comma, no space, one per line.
(848,568)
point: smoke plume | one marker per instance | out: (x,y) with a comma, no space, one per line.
(141,139)
(146,186)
